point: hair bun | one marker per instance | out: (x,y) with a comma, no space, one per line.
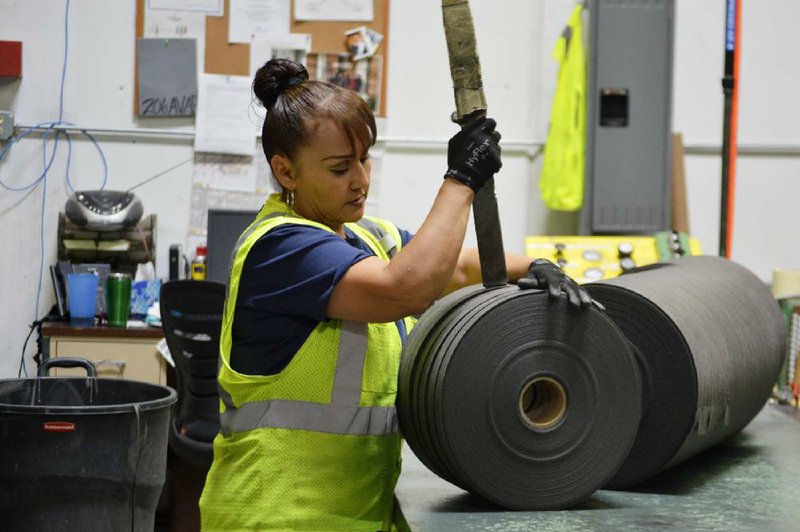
(276,76)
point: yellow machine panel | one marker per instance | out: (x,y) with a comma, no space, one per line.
(591,258)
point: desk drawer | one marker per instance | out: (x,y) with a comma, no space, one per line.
(133,359)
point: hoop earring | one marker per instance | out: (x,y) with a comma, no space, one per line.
(289,196)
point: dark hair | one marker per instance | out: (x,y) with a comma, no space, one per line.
(294,104)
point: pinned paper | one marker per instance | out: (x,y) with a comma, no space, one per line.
(167,77)
(360,10)
(174,24)
(225,172)
(209,7)
(223,124)
(249,20)
(294,46)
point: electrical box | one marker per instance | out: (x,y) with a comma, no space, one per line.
(10,59)
(6,125)
(628,118)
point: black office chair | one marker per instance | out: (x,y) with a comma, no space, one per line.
(191,316)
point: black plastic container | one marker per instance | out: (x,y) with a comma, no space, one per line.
(81,453)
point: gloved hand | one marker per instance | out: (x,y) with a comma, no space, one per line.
(473,154)
(544,274)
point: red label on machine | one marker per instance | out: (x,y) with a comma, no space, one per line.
(58,426)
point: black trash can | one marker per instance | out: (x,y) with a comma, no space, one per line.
(80,454)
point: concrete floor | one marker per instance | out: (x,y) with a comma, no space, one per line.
(751,482)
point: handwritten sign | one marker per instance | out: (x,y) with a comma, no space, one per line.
(167,77)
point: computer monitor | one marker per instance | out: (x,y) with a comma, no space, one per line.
(224,228)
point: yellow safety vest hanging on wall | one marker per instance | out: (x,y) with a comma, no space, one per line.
(316,446)
(562,177)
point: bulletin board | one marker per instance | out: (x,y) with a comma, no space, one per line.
(233,59)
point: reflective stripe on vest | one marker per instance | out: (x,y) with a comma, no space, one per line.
(350,364)
(316,417)
(342,416)
(386,240)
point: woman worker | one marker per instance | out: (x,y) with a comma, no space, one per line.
(318,306)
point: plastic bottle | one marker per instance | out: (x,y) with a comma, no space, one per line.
(199,264)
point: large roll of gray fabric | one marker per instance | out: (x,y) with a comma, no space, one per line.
(517,398)
(709,338)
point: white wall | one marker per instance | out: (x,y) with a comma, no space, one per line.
(98,93)
(767,189)
(514,37)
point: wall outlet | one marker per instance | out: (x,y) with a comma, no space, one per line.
(6,124)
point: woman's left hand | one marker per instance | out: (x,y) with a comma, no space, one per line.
(545,275)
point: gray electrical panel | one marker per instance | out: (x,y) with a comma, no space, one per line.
(6,125)
(628,117)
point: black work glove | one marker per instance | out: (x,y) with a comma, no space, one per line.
(544,274)
(473,154)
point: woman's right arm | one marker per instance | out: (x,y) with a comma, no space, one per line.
(376,291)
(373,290)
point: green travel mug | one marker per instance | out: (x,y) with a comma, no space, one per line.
(118,299)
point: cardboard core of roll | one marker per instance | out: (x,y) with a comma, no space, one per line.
(543,403)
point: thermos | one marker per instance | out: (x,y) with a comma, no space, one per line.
(118,299)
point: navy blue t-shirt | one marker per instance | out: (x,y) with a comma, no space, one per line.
(286,282)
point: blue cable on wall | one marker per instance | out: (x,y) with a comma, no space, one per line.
(46,165)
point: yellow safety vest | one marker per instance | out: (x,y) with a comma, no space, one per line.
(316,446)
(563,169)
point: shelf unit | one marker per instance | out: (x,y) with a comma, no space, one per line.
(79,245)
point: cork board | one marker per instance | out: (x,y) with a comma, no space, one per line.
(222,57)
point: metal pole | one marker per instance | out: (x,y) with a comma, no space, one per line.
(729,128)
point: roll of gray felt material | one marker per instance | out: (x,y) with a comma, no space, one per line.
(517,398)
(709,338)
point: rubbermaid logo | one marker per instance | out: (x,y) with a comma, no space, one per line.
(59,426)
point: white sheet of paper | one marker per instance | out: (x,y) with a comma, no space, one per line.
(293,41)
(223,124)
(294,46)
(260,53)
(204,198)
(174,24)
(249,19)
(225,172)
(265,184)
(214,8)
(264,48)
(357,10)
